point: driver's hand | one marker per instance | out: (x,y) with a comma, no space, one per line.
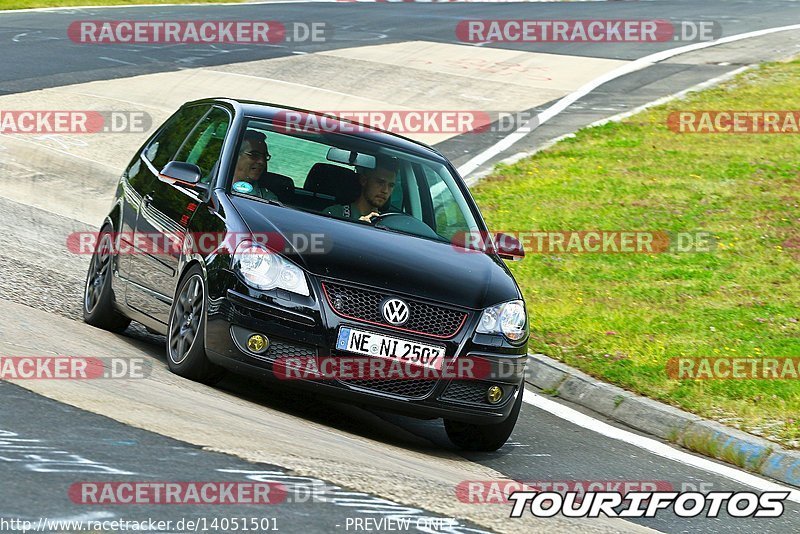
(368,217)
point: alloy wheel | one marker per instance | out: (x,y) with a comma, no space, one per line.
(185,320)
(99,270)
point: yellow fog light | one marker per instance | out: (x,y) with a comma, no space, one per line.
(257,343)
(494,394)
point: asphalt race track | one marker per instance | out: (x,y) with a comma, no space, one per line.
(360,464)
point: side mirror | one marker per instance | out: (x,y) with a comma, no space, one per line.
(508,247)
(180,173)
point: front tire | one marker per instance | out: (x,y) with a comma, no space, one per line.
(98,295)
(484,438)
(186,351)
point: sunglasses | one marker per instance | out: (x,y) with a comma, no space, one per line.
(258,155)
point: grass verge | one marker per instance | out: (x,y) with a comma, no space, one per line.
(27,4)
(621,317)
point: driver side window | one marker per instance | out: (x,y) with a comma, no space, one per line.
(449,219)
(204,144)
(163,147)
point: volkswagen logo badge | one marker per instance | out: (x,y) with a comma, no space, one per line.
(395,311)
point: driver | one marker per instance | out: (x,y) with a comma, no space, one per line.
(376,188)
(251,164)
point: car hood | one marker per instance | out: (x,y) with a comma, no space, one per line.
(382,259)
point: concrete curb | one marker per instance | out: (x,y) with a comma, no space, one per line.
(688,430)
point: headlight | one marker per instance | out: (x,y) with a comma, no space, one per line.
(508,319)
(264,269)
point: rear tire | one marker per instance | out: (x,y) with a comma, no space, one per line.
(484,438)
(98,295)
(186,351)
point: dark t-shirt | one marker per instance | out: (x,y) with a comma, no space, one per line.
(339,211)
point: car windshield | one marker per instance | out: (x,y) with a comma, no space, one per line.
(350,178)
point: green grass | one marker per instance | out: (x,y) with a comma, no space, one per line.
(620,317)
(26,4)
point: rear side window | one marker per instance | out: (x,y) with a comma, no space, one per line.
(293,156)
(165,145)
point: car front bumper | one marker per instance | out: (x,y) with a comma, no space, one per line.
(306,328)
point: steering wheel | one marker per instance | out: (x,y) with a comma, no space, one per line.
(381,216)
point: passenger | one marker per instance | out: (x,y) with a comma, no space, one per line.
(251,165)
(376,188)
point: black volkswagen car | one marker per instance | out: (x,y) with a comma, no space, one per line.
(261,242)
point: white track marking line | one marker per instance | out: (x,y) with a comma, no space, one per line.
(117,60)
(75,8)
(638,64)
(475,178)
(664,99)
(655,447)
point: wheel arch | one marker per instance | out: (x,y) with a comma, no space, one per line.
(114,218)
(187,263)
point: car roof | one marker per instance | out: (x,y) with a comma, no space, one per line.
(265,110)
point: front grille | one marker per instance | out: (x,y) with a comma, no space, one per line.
(411,389)
(365,305)
(473,392)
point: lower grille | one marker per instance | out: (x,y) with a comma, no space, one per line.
(285,349)
(473,392)
(278,348)
(410,389)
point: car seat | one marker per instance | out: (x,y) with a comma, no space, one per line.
(328,184)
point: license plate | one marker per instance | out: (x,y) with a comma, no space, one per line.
(388,347)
